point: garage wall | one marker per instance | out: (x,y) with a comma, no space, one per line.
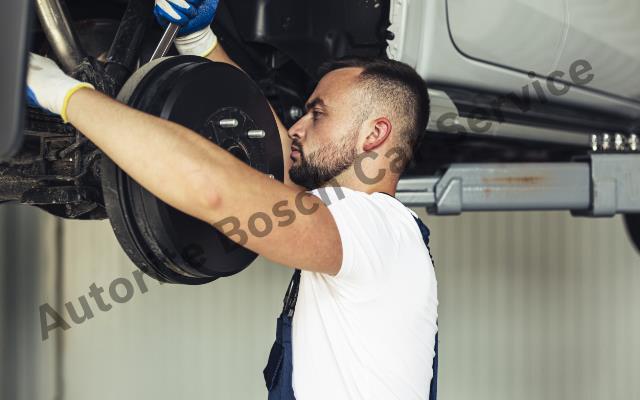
(537,306)
(29,368)
(532,305)
(203,342)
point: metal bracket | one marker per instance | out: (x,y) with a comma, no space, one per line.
(615,180)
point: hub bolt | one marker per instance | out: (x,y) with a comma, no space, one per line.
(256,134)
(295,113)
(228,123)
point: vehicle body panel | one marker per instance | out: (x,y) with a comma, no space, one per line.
(548,35)
(14,43)
(424,40)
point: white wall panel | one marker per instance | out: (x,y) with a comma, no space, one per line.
(29,366)
(204,342)
(537,305)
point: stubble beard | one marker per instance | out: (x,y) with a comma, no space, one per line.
(318,168)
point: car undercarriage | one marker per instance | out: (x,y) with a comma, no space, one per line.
(481,152)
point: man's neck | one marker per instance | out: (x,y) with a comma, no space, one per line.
(385,185)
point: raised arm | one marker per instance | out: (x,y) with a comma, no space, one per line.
(194,175)
(195,37)
(219,55)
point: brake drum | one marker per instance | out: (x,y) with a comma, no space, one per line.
(220,103)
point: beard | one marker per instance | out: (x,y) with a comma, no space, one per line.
(318,168)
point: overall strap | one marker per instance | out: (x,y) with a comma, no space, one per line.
(290,299)
(433,387)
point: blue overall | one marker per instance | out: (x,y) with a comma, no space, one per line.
(279,370)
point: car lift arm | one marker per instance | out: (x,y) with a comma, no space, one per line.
(602,185)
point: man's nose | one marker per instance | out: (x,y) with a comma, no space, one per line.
(297,130)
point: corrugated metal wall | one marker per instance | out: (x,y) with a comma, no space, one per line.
(532,305)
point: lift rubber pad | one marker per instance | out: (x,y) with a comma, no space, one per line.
(162,241)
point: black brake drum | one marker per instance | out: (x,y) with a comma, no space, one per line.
(196,93)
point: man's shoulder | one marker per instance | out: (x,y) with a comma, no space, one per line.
(377,232)
(380,209)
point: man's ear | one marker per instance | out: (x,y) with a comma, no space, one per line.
(380,131)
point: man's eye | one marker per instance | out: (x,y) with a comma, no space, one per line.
(315,114)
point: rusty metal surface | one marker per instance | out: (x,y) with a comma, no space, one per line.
(515,180)
(503,186)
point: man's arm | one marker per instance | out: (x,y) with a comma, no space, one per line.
(219,55)
(191,173)
(201,179)
(195,37)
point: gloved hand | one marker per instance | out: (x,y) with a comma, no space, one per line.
(48,87)
(195,36)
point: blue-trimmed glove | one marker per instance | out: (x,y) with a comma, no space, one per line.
(48,87)
(195,36)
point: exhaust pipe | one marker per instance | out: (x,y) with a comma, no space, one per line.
(54,17)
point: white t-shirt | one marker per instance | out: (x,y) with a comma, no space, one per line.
(369,332)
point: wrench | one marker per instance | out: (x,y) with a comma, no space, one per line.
(168,37)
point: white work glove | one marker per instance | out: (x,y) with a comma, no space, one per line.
(195,36)
(48,87)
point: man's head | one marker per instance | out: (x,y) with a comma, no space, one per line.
(359,106)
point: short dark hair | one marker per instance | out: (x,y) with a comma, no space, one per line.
(396,85)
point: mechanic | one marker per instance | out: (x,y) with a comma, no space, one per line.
(365,304)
